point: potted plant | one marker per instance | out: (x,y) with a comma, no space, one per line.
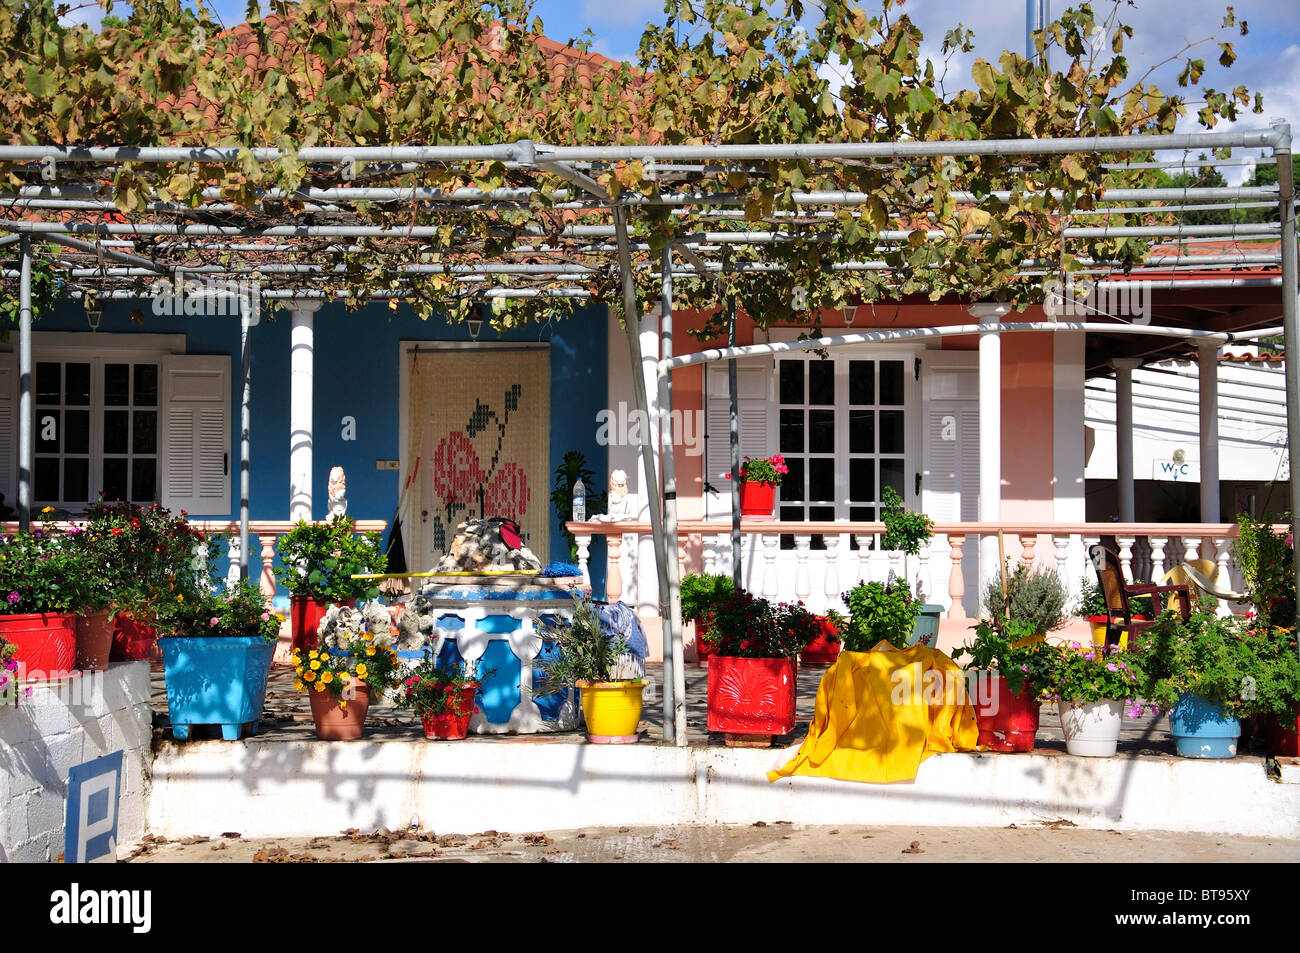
(317,563)
(758,482)
(216,647)
(1006,678)
(824,649)
(8,675)
(905,531)
(1264,559)
(1092,686)
(700,592)
(1091,605)
(1033,598)
(443,699)
(353,664)
(751,687)
(41,584)
(880,612)
(589,659)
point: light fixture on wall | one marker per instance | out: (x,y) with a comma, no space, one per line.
(94,311)
(475,327)
(984,310)
(850,315)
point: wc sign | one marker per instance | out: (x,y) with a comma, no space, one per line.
(90,828)
(1176,471)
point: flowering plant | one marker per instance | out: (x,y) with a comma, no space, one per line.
(40,572)
(238,612)
(1023,662)
(318,560)
(356,649)
(430,691)
(745,626)
(1081,674)
(767,470)
(8,674)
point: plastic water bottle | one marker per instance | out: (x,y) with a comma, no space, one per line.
(579,502)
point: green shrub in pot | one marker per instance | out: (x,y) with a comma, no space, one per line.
(1034,598)
(879,610)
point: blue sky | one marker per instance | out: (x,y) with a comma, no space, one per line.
(1268,57)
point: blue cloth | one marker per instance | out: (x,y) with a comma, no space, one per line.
(561,570)
(620,619)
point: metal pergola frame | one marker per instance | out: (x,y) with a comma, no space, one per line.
(109,258)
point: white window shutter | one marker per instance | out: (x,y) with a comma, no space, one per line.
(9,428)
(755,418)
(196,457)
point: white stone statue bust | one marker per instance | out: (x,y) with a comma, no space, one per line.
(621,504)
(338,488)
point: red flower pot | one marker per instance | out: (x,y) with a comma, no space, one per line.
(1284,736)
(45,643)
(824,649)
(448,725)
(133,639)
(305,614)
(751,696)
(757,500)
(1006,722)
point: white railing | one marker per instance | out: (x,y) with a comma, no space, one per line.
(822,560)
(262,536)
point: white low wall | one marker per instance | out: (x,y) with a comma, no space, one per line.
(62,724)
(314,788)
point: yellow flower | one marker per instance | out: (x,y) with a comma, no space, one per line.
(343,703)
(315,664)
(327,677)
(313,654)
(370,650)
(48,509)
(361,669)
(320,686)
(367,636)
(309,676)
(299,685)
(180,598)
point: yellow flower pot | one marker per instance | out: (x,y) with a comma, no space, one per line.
(1099,635)
(612,711)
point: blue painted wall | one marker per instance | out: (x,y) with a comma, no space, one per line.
(357,375)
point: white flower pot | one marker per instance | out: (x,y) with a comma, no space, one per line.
(1091,729)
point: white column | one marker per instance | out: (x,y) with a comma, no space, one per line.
(1068,427)
(1124,367)
(302,359)
(990,409)
(1208,363)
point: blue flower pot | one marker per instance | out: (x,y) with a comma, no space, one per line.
(1202,730)
(216,681)
(926,628)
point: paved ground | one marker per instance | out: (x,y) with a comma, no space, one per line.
(287,717)
(777,841)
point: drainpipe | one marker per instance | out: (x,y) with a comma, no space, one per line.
(674,663)
(1124,368)
(302,349)
(1208,358)
(1290,324)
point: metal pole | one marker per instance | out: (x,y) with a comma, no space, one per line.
(25,419)
(245,447)
(1290,328)
(631,323)
(674,663)
(733,411)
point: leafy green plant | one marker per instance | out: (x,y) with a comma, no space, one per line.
(904,529)
(567,474)
(1082,674)
(41,572)
(1022,662)
(1266,561)
(45,291)
(1245,667)
(1034,597)
(1092,599)
(319,559)
(700,592)
(585,652)
(239,611)
(746,626)
(429,691)
(879,611)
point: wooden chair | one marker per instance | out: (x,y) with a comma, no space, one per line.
(1119,616)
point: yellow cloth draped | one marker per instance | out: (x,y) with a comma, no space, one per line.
(881,713)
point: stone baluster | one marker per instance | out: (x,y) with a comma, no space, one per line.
(709,555)
(614,569)
(924,584)
(1028,543)
(771,578)
(1088,543)
(233,554)
(1126,555)
(1222,576)
(802,583)
(895,563)
(1158,544)
(1191,548)
(267,580)
(584,556)
(1062,555)
(956,584)
(864,557)
(831,583)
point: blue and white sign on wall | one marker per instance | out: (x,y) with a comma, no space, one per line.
(1175,470)
(94,789)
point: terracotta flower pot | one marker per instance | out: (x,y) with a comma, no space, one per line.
(757,500)
(133,638)
(450,724)
(338,722)
(94,640)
